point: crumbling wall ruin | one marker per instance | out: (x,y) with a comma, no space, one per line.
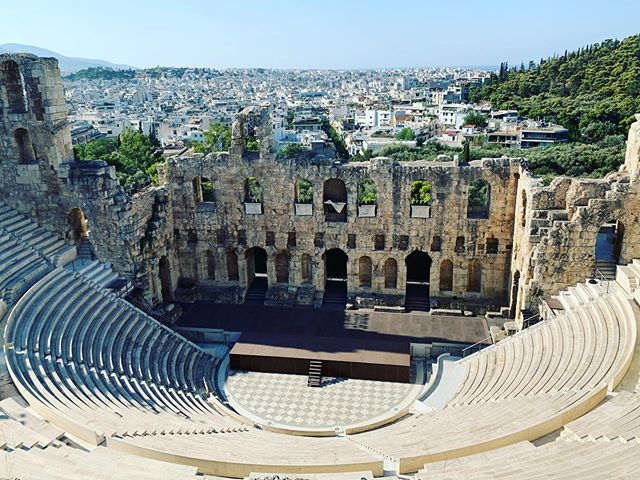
(175,244)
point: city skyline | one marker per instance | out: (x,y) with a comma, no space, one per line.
(329,35)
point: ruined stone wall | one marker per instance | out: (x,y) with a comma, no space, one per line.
(555,236)
(41,178)
(223,225)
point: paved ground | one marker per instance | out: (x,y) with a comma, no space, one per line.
(286,399)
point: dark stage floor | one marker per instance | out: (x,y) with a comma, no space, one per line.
(357,324)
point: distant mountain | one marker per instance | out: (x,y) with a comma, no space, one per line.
(67,64)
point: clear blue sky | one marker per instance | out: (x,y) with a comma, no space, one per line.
(315,34)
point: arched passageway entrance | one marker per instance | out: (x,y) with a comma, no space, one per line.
(418,266)
(608,248)
(335,271)
(78,225)
(257,281)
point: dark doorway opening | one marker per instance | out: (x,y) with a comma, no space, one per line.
(417,287)
(165,279)
(256,276)
(608,248)
(335,289)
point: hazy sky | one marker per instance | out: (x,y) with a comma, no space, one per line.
(315,34)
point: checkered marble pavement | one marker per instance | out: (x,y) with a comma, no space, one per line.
(285,399)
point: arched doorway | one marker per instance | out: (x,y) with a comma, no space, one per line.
(446,276)
(24,144)
(390,273)
(256,264)
(335,271)
(282,267)
(418,266)
(78,225)
(165,278)
(365,272)
(608,248)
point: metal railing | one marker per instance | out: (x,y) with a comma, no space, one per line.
(602,277)
(479,345)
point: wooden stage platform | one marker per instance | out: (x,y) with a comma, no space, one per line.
(341,357)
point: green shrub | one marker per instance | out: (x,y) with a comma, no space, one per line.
(421,192)
(304,191)
(367,193)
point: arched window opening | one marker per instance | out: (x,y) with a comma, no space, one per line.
(282,267)
(232,266)
(367,198)
(436,244)
(459,245)
(307,269)
(446,275)
(420,199)
(479,199)
(211,265)
(390,273)
(474,277)
(11,78)
(253,196)
(334,197)
(202,190)
(24,144)
(365,271)
(303,197)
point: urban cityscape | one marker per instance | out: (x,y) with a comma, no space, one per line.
(320,241)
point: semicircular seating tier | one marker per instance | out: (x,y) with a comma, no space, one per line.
(527,385)
(105,372)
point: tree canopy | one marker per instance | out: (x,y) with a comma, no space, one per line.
(133,154)
(406,134)
(593,91)
(421,192)
(475,118)
(216,139)
(367,193)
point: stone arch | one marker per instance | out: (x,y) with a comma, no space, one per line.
(474,276)
(365,271)
(256,263)
(479,199)
(436,244)
(165,278)
(211,265)
(307,268)
(233,272)
(78,225)
(446,275)
(24,144)
(390,273)
(459,244)
(418,265)
(202,190)
(334,197)
(282,267)
(11,78)
(335,261)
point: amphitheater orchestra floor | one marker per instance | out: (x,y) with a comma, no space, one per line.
(286,400)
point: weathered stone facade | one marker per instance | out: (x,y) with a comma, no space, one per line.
(177,241)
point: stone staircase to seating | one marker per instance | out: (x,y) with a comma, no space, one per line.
(315,373)
(85,251)
(335,295)
(606,269)
(257,292)
(417,298)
